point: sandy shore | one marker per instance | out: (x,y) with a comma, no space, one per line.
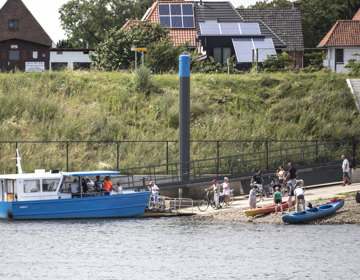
(349,214)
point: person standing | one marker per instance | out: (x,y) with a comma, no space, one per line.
(155,192)
(281,175)
(290,190)
(277,199)
(299,198)
(98,184)
(345,168)
(292,174)
(252,197)
(216,190)
(226,190)
(107,184)
(276,185)
(74,186)
(258,180)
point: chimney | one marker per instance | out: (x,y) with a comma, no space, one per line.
(296,5)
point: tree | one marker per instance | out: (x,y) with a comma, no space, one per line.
(90,20)
(267,4)
(64,44)
(115,52)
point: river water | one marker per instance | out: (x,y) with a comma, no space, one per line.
(176,248)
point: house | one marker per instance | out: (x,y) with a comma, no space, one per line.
(341,43)
(219,30)
(223,32)
(285,23)
(66,58)
(23,42)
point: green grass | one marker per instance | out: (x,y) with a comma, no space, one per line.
(106,106)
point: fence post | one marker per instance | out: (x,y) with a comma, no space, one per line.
(67,156)
(167,157)
(354,150)
(267,154)
(217,155)
(16,169)
(117,154)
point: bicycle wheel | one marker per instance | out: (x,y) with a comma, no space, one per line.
(231,198)
(258,197)
(203,205)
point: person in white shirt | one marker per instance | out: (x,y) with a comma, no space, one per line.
(252,196)
(299,198)
(119,188)
(345,168)
(155,192)
(226,190)
(74,187)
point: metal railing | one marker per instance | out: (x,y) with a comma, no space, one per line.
(320,154)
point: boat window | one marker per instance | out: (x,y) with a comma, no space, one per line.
(31,186)
(9,186)
(2,190)
(50,185)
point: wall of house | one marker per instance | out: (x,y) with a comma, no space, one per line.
(69,57)
(299,58)
(348,54)
(26,54)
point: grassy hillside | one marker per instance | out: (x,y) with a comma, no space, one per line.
(109,106)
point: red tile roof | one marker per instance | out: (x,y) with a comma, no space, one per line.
(357,16)
(128,23)
(343,33)
(180,35)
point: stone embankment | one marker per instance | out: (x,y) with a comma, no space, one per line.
(349,214)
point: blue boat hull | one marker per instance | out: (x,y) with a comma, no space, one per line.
(313,213)
(110,206)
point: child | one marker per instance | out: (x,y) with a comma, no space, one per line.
(119,188)
(277,199)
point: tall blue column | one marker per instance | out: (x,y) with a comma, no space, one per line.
(184,115)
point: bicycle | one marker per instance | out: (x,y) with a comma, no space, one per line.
(299,183)
(222,198)
(203,205)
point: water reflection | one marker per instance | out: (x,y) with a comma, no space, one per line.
(175,248)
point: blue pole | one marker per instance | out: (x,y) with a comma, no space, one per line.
(184,116)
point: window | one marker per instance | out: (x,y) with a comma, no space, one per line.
(31,186)
(13,24)
(59,52)
(35,55)
(339,56)
(14,55)
(221,54)
(50,185)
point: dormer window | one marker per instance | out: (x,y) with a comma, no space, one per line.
(13,24)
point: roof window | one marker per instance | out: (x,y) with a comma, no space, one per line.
(13,24)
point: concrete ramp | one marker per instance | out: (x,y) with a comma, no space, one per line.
(354,85)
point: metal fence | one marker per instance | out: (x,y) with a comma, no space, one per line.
(72,155)
(319,154)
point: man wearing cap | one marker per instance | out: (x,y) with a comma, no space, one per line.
(252,197)
(277,199)
(299,198)
(216,190)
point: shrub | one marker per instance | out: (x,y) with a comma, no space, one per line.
(143,80)
(354,65)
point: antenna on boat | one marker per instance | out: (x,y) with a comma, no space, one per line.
(18,163)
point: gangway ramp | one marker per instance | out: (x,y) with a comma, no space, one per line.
(354,85)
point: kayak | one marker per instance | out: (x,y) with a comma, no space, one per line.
(269,209)
(313,213)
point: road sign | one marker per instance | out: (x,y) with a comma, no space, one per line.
(140,49)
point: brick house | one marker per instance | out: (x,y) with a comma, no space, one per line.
(23,42)
(341,43)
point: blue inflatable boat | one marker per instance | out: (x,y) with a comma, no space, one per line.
(313,213)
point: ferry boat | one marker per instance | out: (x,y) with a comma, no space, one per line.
(44,195)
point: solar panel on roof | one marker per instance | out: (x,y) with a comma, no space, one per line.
(175,9)
(187,9)
(210,29)
(165,21)
(176,22)
(243,49)
(188,22)
(164,10)
(265,47)
(250,28)
(229,28)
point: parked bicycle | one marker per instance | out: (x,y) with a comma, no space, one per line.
(203,205)
(299,183)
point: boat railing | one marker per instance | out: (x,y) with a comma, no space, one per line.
(171,205)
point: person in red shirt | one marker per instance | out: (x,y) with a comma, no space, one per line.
(107,184)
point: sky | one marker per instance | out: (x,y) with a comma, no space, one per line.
(47,14)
